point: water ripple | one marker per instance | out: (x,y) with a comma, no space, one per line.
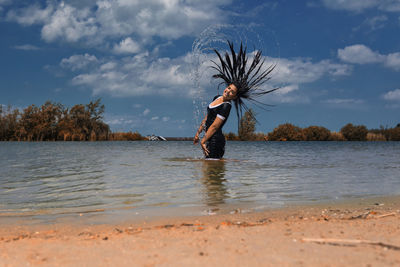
(111,177)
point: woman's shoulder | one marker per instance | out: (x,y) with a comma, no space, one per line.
(218,96)
(220,104)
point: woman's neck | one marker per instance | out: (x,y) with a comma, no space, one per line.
(225,99)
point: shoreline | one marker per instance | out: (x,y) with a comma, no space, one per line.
(358,233)
(156,213)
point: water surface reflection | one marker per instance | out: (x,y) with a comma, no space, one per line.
(62,177)
(214,182)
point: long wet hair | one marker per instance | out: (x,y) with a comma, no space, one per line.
(248,78)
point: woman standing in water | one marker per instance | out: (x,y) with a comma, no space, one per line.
(242,82)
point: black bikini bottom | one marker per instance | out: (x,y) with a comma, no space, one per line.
(216,146)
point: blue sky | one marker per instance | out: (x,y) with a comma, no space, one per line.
(337,61)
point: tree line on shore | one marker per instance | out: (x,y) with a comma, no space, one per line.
(290,132)
(55,122)
(349,132)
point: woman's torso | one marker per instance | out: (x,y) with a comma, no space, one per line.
(221,110)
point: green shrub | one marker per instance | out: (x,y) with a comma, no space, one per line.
(231,136)
(375,137)
(286,132)
(354,132)
(247,126)
(394,134)
(316,133)
(335,136)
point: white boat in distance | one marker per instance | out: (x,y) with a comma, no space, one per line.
(156,138)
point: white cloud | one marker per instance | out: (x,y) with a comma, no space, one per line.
(112,19)
(350,5)
(287,89)
(78,62)
(377,22)
(303,70)
(127,27)
(33,14)
(291,74)
(108,66)
(3,3)
(345,103)
(143,74)
(121,120)
(361,54)
(138,75)
(86,79)
(393,61)
(341,101)
(392,95)
(390,5)
(127,46)
(288,98)
(146,111)
(26,47)
(373,24)
(131,122)
(361,5)
(70,24)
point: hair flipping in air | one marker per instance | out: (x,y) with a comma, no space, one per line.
(235,69)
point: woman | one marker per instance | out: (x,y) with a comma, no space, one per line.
(243,82)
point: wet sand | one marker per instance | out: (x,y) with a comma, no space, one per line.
(360,233)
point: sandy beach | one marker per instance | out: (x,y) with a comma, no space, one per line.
(360,233)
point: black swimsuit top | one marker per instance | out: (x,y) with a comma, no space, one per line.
(222,111)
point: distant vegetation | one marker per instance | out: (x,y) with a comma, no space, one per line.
(349,132)
(246,131)
(54,122)
(290,132)
(129,136)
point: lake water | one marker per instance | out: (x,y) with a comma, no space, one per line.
(48,180)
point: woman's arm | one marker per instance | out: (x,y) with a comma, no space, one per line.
(201,127)
(210,132)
